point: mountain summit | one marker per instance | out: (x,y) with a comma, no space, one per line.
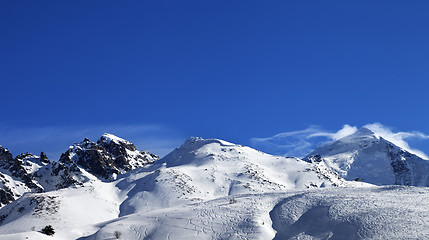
(371,158)
(108,157)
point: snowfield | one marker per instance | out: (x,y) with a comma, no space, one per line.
(337,213)
(213,189)
(390,212)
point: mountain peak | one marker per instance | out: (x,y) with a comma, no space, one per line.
(108,137)
(364,131)
(201,141)
(191,140)
(363,136)
(366,155)
(108,157)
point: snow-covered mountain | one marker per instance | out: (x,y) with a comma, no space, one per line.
(364,156)
(16,175)
(207,169)
(84,161)
(211,188)
(199,171)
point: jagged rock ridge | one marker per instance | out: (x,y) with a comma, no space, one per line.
(106,158)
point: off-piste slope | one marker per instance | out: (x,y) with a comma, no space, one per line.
(365,156)
(388,212)
(392,212)
(73,212)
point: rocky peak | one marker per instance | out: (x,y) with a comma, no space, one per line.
(16,175)
(110,140)
(124,153)
(5,155)
(43,158)
(91,157)
(108,157)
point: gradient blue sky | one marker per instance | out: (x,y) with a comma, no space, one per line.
(233,70)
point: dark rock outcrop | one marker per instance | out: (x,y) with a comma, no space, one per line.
(108,157)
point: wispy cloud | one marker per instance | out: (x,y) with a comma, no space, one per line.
(55,140)
(345,131)
(399,138)
(300,143)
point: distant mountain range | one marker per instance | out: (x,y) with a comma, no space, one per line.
(98,188)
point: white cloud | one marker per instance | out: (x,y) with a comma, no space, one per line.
(345,131)
(300,143)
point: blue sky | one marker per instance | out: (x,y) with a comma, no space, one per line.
(235,70)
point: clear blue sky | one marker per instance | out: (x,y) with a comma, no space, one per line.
(226,69)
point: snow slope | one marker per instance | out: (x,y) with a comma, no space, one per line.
(366,157)
(73,212)
(396,212)
(207,169)
(392,212)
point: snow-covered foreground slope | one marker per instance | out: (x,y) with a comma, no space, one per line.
(72,212)
(390,212)
(364,156)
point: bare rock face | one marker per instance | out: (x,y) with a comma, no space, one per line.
(91,157)
(16,176)
(124,154)
(108,157)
